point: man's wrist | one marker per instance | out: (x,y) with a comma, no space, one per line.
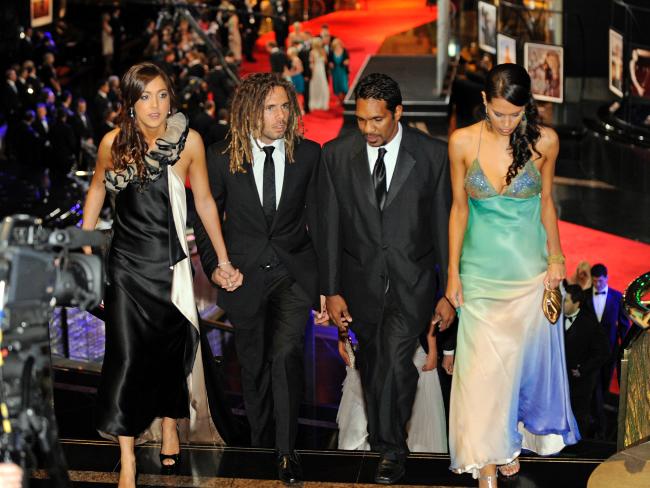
(449,353)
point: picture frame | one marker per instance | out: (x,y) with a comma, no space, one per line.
(616,68)
(487,27)
(41,12)
(506,49)
(545,65)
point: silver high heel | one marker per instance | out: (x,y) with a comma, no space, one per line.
(514,465)
(491,480)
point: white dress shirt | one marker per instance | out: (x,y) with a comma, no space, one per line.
(599,303)
(258,167)
(390,158)
(569,319)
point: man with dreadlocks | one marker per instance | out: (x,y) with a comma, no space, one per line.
(263,179)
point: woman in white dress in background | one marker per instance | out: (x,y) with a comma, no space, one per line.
(319,90)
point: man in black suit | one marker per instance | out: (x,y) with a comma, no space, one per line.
(263,179)
(101,104)
(281,22)
(587,349)
(384,199)
(607,305)
(249,15)
(278,59)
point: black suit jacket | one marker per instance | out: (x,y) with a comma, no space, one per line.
(587,349)
(279,61)
(614,321)
(615,324)
(362,249)
(246,232)
(82,131)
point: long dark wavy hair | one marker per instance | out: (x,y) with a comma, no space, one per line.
(129,146)
(512,83)
(247,117)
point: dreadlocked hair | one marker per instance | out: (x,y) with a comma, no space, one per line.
(129,146)
(247,117)
(512,83)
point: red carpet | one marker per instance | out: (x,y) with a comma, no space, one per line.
(625,259)
(362,32)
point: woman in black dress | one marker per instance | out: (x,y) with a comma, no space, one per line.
(151,319)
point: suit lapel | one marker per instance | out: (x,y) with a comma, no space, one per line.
(403,167)
(253,189)
(289,171)
(362,178)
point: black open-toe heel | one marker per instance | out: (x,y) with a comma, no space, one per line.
(169,468)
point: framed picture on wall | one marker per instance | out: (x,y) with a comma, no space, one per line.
(41,12)
(545,65)
(487,27)
(506,49)
(639,71)
(615,62)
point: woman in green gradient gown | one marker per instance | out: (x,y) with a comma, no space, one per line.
(510,389)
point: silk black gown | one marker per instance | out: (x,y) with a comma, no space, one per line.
(150,344)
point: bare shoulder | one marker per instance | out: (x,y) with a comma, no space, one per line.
(108,139)
(194,140)
(548,139)
(461,140)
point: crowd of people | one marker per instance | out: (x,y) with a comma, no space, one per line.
(385,232)
(56,128)
(357,229)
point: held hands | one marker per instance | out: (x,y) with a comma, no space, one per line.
(555,273)
(227,277)
(322,317)
(444,315)
(338,311)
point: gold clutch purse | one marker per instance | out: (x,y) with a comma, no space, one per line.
(552,303)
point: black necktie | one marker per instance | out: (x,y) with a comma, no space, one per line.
(268,185)
(379,179)
(601,293)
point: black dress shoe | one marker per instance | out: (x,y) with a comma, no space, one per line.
(289,469)
(389,471)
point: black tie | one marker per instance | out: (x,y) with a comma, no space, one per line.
(379,179)
(268,186)
(601,293)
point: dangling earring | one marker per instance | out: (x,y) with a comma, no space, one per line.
(523,124)
(170,112)
(487,119)
(131,113)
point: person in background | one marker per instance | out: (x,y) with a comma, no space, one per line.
(587,350)
(339,63)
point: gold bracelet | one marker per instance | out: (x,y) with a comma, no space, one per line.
(555,259)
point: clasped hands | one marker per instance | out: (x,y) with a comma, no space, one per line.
(227,277)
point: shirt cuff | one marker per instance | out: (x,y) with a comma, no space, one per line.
(448,353)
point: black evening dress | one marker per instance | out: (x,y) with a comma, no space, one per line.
(151,344)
